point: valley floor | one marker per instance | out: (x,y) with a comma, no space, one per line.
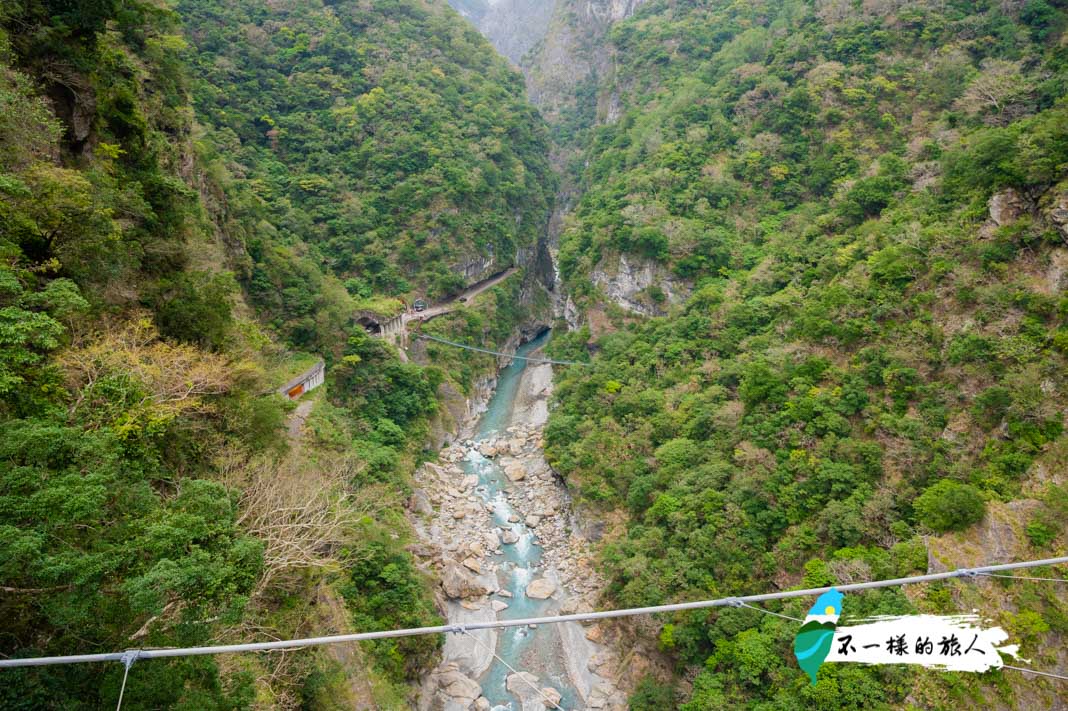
(503,542)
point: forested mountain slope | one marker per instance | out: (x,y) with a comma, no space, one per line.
(384,142)
(853,221)
(164,259)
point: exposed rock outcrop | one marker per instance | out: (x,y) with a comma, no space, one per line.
(573,50)
(1007,206)
(1058,214)
(639,285)
(460,582)
(512,26)
(451,690)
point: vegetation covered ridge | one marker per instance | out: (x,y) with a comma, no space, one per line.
(385,144)
(858,215)
(170,255)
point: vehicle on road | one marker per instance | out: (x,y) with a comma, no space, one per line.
(419,305)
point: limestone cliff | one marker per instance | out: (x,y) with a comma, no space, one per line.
(563,70)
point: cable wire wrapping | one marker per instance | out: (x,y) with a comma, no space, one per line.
(128,658)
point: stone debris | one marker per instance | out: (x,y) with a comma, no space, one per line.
(552,695)
(459,583)
(516,472)
(420,503)
(532,696)
(460,533)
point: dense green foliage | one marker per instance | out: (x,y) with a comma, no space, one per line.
(383,143)
(356,154)
(864,201)
(949,505)
(740,118)
(866,356)
(105,521)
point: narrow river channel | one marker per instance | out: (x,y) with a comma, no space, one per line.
(539,651)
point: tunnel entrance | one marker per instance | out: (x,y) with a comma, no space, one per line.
(370,325)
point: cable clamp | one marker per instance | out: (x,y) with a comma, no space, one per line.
(734,602)
(129,657)
(461,629)
(972,573)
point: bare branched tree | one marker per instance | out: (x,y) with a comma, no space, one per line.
(1000,92)
(304,512)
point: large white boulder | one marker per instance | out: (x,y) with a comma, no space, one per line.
(541,589)
(458,583)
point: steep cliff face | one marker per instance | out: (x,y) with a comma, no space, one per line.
(563,50)
(516,26)
(557,43)
(639,285)
(563,69)
(571,77)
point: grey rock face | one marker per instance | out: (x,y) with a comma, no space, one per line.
(631,280)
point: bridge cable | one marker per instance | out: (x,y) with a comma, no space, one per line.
(1024,577)
(768,612)
(496,353)
(1032,671)
(129,656)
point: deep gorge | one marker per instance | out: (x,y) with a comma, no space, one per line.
(812,257)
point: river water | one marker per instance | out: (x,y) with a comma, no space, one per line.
(538,651)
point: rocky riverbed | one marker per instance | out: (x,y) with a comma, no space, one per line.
(477,531)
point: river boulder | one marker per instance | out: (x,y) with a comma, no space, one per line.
(541,589)
(457,686)
(420,503)
(532,696)
(458,583)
